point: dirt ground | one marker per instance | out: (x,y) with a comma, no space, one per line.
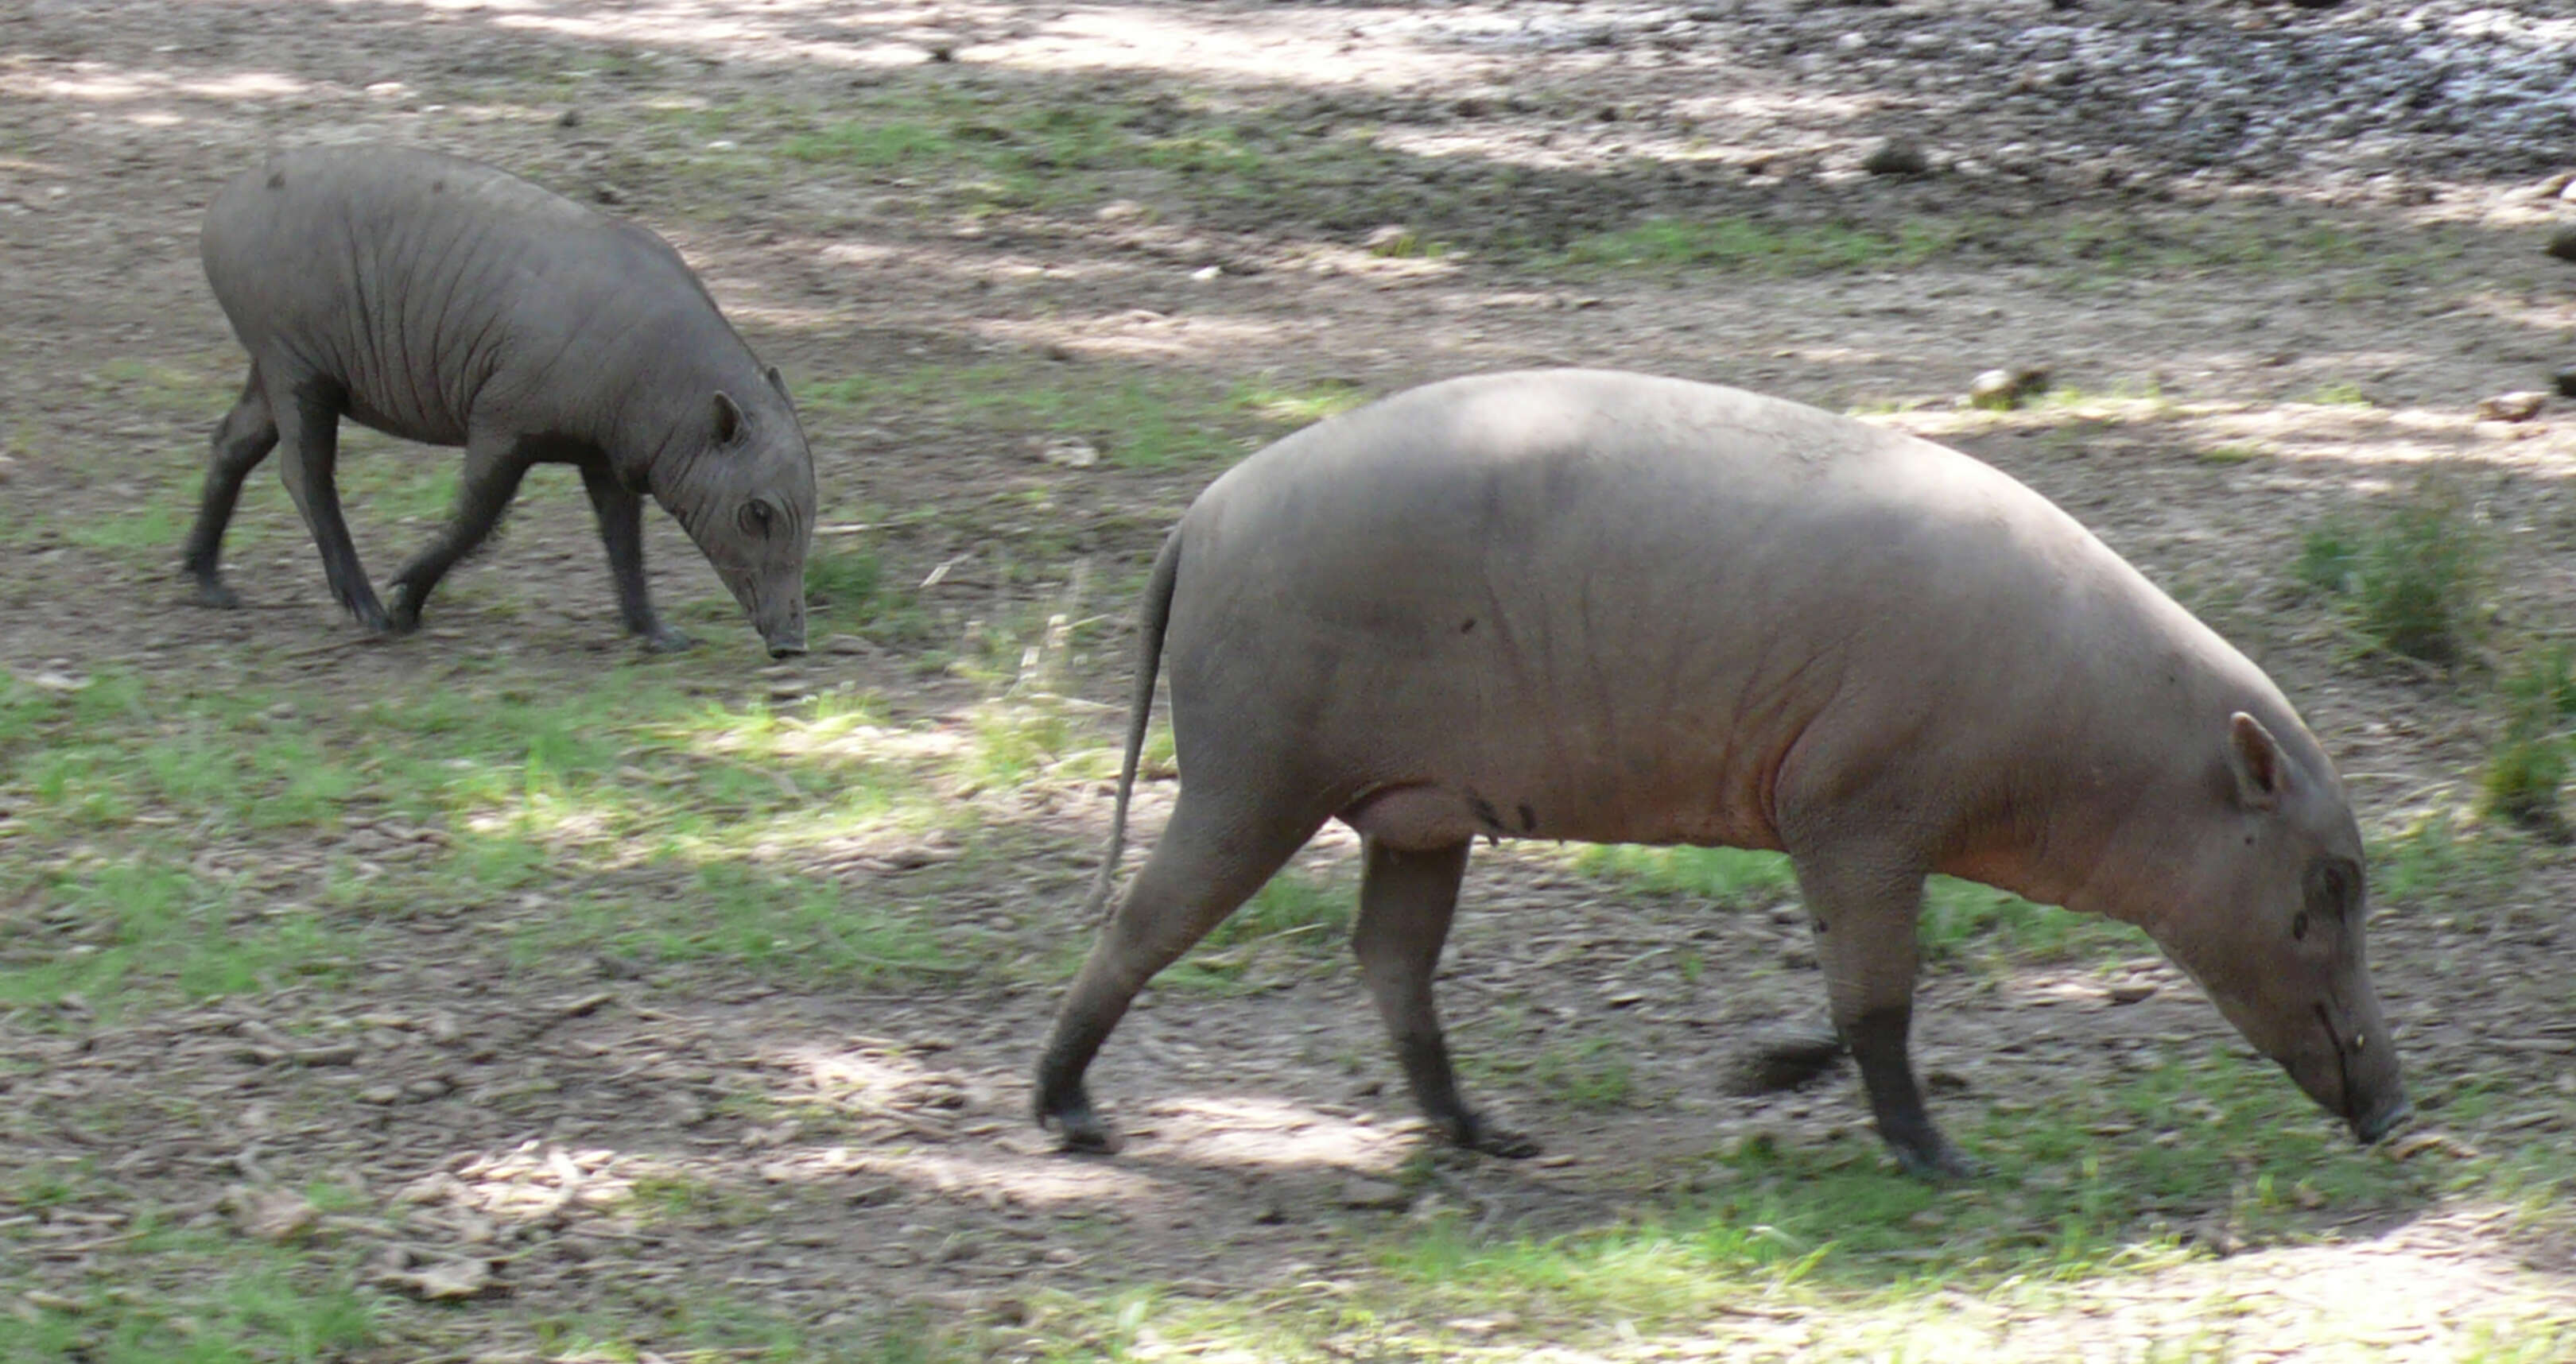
(478,1106)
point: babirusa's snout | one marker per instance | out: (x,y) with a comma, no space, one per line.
(2348,1063)
(780,619)
(2369,1127)
(2374,1094)
(775,602)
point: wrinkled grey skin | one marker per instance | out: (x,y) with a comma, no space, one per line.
(448,302)
(1611,608)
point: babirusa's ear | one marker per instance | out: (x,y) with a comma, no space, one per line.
(2254,756)
(777,381)
(728,419)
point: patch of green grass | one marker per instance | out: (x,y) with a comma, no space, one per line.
(771,924)
(2229,454)
(2434,864)
(2082,1187)
(2527,763)
(114,788)
(152,528)
(2411,577)
(845,590)
(275,1313)
(196,389)
(2103,1183)
(2340,393)
(1588,1075)
(1960,918)
(1297,405)
(1745,244)
(386,481)
(1134,418)
(1295,920)
(143,922)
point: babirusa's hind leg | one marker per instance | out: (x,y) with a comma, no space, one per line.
(1210,860)
(308,452)
(1406,902)
(242,440)
(1865,906)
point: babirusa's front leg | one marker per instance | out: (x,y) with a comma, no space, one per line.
(1864,907)
(621,532)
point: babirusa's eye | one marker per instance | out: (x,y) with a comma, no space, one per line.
(756,517)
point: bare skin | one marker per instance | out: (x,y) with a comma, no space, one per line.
(1608,608)
(446,302)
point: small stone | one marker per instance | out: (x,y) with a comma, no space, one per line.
(276,1216)
(1996,390)
(2519,406)
(445,1281)
(8,468)
(1207,274)
(1896,156)
(1362,1192)
(1483,1326)
(569,118)
(442,1028)
(2131,991)
(2422,1142)
(1394,239)
(381,1094)
(2564,381)
(606,193)
(2562,243)
(426,1089)
(51,1302)
(1071,452)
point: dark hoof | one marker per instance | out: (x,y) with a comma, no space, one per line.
(211,592)
(1785,1063)
(662,639)
(1078,1128)
(1940,1164)
(404,616)
(787,649)
(1480,1135)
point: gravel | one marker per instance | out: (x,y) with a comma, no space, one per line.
(2228,91)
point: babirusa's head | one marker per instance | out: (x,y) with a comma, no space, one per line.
(2269,919)
(746,496)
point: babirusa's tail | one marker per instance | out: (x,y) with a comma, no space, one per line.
(1154,615)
